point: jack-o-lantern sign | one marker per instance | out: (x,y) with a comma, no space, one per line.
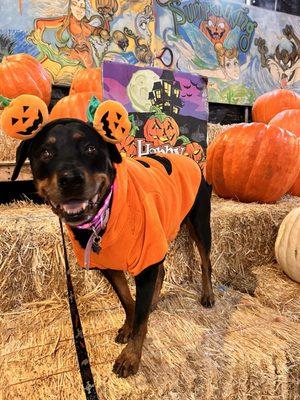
(161,129)
(215,29)
(24,116)
(111,121)
(127,146)
(195,151)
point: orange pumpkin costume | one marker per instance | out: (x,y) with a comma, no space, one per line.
(147,209)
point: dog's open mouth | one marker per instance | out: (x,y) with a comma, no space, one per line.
(75,212)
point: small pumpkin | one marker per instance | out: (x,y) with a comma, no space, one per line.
(161,129)
(111,121)
(287,245)
(253,162)
(23,74)
(24,116)
(271,103)
(72,106)
(88,80)
(290,120)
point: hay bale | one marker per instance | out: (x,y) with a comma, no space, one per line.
(238,350)
(213,130)
(31,260)
(8,147)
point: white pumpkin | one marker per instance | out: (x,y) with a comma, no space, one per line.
(287,245)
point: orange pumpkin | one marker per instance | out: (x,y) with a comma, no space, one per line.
(271,103)
(24,116)
(253,162)
(23,74)
(161,129)
(111,121)
(72,106)
(290,120)
(88,80)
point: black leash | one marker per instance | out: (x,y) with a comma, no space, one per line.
(82,354)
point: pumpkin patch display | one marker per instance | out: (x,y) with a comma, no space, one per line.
(72,106)
(111,121)
(161,129)
(88,80)
(23,74)
(253,162)
(287,245)
(271,103)
(24,116)
(290,120)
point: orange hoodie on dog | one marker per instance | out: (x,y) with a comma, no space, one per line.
(147,209)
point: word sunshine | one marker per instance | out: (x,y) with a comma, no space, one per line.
(197,10)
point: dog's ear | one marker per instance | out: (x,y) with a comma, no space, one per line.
(114,153)
(21,155)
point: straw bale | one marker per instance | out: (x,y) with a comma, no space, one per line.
(213,130)
(8,147)
(238,350)
(31,260)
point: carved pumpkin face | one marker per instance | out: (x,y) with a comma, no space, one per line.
(215,29)
(160,131)
(24,116)
(111,121)
(194,151)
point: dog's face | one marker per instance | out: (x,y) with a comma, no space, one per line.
(72,167)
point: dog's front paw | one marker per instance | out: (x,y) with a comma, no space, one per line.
(208,300)
(124,333)
(127,363)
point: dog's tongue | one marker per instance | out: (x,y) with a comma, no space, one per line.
(74,206)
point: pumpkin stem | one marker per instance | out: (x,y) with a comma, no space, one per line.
(184,140)
(4,101)
(92,107)
(158,113)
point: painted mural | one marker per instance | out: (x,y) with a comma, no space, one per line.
(244,51)
(66,35)
(168,110)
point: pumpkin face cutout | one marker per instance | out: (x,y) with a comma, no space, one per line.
(24,117)
(161,130)
(111,121)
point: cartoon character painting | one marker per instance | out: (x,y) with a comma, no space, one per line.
(215,28)
(284,63)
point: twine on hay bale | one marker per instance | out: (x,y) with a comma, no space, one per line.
(238,350)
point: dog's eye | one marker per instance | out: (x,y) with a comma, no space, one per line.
(46,155)
(90,150)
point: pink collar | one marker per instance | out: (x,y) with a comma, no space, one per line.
(97,224)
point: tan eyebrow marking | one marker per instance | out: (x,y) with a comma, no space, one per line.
(77,135)
(51,140)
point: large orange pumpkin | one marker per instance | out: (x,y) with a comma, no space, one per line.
(271,103)
(161,129)
(72,106)
(88,80)
(253,162)
(290,120)
(23,74)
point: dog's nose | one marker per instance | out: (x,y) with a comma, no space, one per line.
(69,179)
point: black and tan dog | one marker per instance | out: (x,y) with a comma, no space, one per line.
(76,171)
